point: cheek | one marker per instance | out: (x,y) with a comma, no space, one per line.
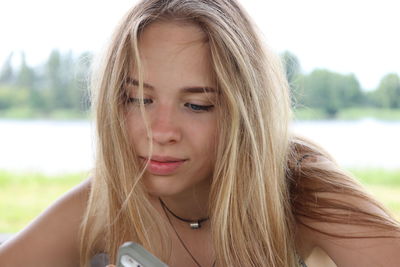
(135,129)
(203,136)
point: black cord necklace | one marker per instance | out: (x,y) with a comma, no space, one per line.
(193,224)
(165,208)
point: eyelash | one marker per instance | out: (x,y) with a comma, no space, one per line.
(199,108)
(193,107)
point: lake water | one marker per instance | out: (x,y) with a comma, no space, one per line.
(365,143)
(46,146)
(67,146)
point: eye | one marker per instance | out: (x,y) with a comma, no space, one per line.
(198,108)
(138,101)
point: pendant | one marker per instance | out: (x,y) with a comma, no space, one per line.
(195,225)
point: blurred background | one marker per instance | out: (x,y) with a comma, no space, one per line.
(342,61)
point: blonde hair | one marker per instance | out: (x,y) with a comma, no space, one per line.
(251,199)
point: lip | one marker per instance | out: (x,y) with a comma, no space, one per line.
(163,165)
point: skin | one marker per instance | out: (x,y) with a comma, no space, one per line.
(174,58)
(52,238)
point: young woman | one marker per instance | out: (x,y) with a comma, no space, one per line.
(195,160)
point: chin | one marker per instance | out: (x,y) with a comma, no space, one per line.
(162,186)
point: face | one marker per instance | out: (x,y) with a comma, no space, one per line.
(179,96)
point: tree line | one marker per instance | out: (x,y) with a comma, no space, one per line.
(61,84)
(331,91)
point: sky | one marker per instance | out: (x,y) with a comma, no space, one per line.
(346,36)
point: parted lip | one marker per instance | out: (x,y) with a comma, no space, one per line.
(163,158)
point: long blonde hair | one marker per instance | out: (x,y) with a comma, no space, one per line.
(251,198)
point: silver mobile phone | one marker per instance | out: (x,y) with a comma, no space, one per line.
(131,254)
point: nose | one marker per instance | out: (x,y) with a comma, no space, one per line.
(165,126)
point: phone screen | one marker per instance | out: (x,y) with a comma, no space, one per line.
(128,261)
(131,254)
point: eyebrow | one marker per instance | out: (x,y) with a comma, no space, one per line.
(190,89)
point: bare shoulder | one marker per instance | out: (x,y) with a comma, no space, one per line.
(52,239)
(362,246)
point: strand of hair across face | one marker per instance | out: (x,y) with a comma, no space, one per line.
(165,208)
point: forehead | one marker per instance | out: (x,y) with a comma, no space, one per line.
(179,32)
(175,49)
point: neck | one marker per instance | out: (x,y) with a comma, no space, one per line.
(192,207)
(191,204)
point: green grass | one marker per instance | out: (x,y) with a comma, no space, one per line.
(359,113)
(389,196)
(25,195)
(389,178)
(23,113)
(384,185)
(348,114)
